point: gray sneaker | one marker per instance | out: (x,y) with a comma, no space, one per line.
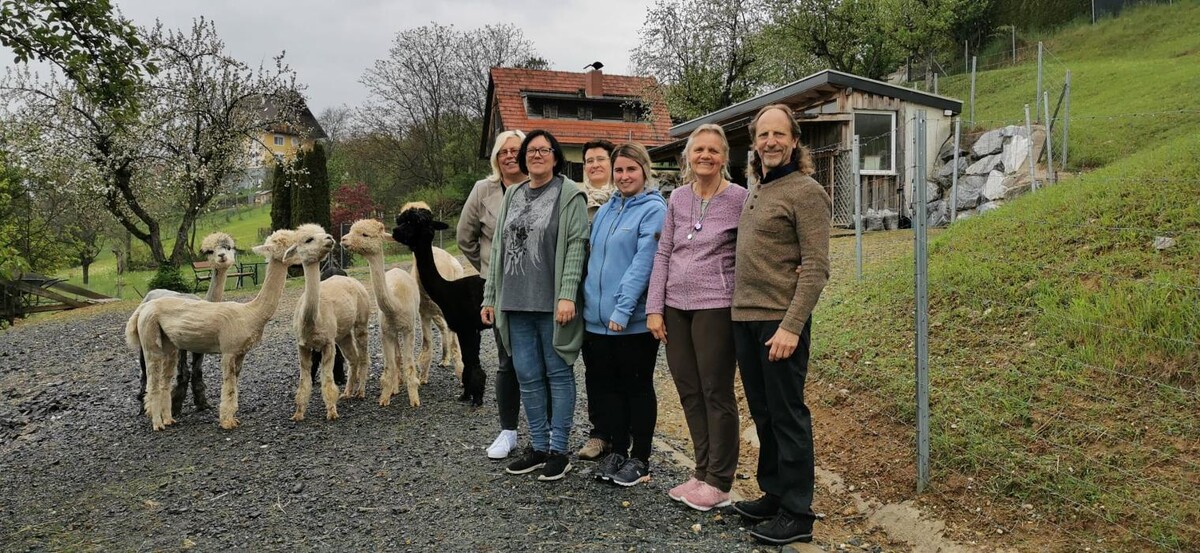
(609,465)
(632,472)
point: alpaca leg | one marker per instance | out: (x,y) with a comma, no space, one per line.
(161,375)
(150,399)
(454,357)
(199,398)
(426,357)
(474,378)
(364,359)
(179,391)
(329,390)
(411,379)
(304,388)
(141,395)
(231,365)
(388,378)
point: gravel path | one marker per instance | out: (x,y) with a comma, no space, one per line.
(80,470)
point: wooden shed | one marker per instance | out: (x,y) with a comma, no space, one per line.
(832,107)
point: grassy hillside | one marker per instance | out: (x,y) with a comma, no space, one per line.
(1065,348)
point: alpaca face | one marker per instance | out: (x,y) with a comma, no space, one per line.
(416,226)
(312,243)
(220,250)
(365,237)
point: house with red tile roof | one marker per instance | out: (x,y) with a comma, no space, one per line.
(575,108)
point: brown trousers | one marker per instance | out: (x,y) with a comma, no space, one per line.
(700,355)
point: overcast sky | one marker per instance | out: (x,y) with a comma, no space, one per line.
(331,43)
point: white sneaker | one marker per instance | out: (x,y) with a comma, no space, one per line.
(504,444)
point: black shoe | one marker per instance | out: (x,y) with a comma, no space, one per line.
(632,472)
(557,466)
(763,508)
(785,528)
(609,466)
(528,462)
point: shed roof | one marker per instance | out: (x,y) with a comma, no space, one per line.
(507,85)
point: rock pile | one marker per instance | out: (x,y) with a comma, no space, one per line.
(992,170)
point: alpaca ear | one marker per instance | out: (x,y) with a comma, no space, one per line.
(438,225)
(261,250)
(288,252)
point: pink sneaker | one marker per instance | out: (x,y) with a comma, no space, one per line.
(704,497)
(683,489)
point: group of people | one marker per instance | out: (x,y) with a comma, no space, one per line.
(724,277)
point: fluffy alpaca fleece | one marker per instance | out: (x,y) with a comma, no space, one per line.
(459,299)
(221,252)
(163,326)
(431,316)
(399,300)
(332,312)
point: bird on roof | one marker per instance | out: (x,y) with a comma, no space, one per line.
(594,65)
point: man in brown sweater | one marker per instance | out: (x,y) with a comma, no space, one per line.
(785,223)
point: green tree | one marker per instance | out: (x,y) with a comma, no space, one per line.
(91,44)
(833,33)
(281,198)
(318,186)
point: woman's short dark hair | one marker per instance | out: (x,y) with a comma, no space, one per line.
(601,143)
(560,159)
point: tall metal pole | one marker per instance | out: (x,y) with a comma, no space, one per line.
(1049,139)
(966,54)
(1066,120)
(1036,112)
(1014,43)
(935,83)
(920,221)
(973,59)
(1029,153)
(858,222)
(954,173)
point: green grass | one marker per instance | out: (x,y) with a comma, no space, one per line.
(1064,347)
(243,224)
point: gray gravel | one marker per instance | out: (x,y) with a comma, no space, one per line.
(79,470)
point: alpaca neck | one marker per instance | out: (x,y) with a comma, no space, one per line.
(263,305)
(383,296)
(216,288)
(431,279)
(312,294)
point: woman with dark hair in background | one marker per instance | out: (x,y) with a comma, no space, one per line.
(531,295)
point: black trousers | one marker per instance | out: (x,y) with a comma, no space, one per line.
(622,395)
(775,395)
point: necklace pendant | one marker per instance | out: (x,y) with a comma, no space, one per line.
(689,236)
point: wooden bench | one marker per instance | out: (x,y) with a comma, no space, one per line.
(203,272)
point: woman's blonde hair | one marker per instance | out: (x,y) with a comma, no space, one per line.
(639,155)
(687,176)
(500,140)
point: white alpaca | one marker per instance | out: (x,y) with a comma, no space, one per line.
(331,311)
(221,252)
(431,315)
(163,326)
(399,299)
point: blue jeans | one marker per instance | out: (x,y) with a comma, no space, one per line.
(537,364)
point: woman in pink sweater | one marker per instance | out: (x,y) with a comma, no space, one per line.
(689,299)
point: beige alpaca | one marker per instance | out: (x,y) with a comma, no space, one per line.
(221,252)
(431,315)
(333,311)
(399,299)
(165,325)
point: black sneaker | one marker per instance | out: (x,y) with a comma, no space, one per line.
(528,462)
(609,466)
(785,528)
(763,508)
(632,472)
(557,466)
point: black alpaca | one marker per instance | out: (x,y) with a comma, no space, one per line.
(460,299)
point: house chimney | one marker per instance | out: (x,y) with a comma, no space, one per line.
(594,83)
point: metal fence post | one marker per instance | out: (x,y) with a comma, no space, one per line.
(1066,120)
(973,60)
(1038,98)
(966,54)
(858,223)
(920,222)
(1032,162)
(954,173)
(1049,139)
(935,83)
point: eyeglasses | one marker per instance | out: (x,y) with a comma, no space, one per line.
(538,152)
(508,152)
(595,160)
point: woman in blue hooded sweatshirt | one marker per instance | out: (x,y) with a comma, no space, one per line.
(617,346)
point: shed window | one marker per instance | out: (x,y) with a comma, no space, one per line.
(877,142)
(278,140)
